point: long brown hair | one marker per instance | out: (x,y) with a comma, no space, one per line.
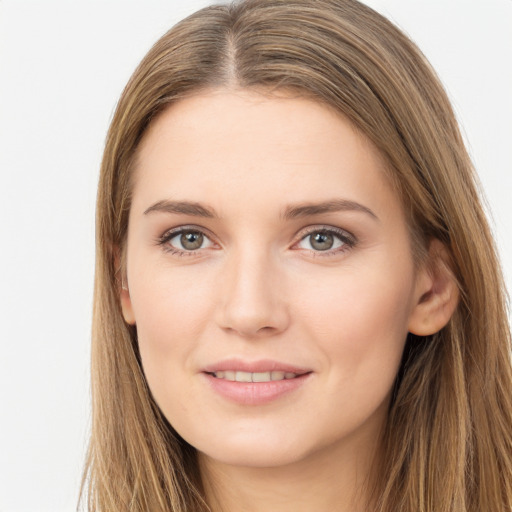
(447,444)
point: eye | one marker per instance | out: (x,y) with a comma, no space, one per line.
(185,240)
(326,240)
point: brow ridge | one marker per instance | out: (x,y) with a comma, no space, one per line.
(291,212)
(334,205)
(182,207)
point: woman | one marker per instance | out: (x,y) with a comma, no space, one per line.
(298,302)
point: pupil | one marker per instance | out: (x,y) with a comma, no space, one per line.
(322,241)
(191,240)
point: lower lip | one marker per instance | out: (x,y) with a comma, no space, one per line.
(255,393)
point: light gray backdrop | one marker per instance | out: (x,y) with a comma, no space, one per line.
(62,67)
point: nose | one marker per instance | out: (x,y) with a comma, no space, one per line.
(253,299)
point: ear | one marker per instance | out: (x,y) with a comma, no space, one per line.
(122,287)
(436,293)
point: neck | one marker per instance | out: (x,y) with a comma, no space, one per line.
(335,478)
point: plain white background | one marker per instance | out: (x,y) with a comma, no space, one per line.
(62,67)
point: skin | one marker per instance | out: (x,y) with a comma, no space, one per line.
(258,289)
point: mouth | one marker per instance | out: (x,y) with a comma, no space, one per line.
(241,376)
(257,382)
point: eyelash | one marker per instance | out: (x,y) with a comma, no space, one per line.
(348,240)
(169,235)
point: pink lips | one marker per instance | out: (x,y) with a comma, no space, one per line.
(254,393)
(263,365)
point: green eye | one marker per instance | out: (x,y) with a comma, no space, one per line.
(186,240)
(326,239)
(321,241)
(191,240)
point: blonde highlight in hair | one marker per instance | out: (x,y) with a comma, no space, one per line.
(447,444)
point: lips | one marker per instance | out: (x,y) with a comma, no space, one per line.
(239,376)
(254,383)
(260,366)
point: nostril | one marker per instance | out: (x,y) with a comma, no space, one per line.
(249,303)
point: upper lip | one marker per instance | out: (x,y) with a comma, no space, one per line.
(259,366)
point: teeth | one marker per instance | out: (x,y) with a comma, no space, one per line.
(243,377)
(229,375)
(261,377)
(254,377)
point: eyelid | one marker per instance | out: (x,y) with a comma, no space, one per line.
(185,227)
(169,234)
(314,228)
(345,236)
(349,240)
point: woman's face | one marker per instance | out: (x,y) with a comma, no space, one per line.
(270,277)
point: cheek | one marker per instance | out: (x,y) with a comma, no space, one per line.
(171,310)
(360,329)
(360,321)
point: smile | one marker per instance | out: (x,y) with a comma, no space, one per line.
(240,376)
(253,388)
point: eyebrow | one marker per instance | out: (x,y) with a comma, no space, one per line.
(183,207)
(335,205)
(291,212)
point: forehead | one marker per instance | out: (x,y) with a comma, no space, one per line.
(223,145)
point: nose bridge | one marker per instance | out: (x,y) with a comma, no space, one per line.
(253,303)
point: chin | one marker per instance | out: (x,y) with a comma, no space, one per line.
(253,457)
(253,451)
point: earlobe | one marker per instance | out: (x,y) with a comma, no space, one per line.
(126,305)
(436,294)
(122,288)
